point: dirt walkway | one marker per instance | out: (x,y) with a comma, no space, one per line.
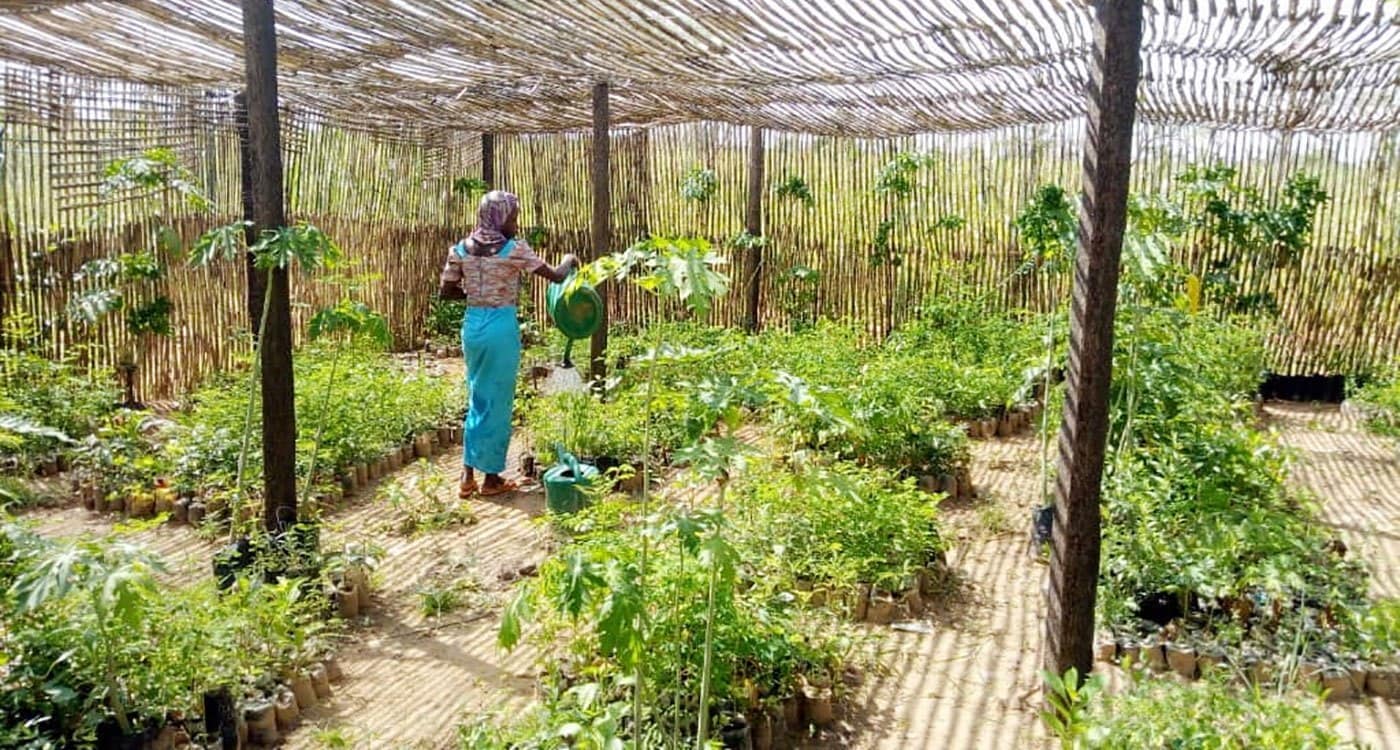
(1356,477)
(971,683)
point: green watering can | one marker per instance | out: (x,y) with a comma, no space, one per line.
(576,314)
(564,483)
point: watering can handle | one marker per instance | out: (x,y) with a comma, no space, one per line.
(567,458)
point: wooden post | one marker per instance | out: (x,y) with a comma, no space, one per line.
(1074,561)
(488,160)
(753,224)
(602,226)
(257,282)
(264,138)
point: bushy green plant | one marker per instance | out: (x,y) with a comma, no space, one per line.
(1380,401)
(837,524)
(445,318)
(379,404)
(56,394)
(586,596)
(1208,714)
(1197,507)
(92,635)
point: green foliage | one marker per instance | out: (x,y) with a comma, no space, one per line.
(835,524)
(794,188)
(379,404)
(699,185)
(48,403)
(91,634)
(1209,714)
(1070,699)
(1379,399)
(18,494)
(445,317)
(798,295)
(897,177)
(307,246)
(224,242)
(351,319)
(151,317)
(746,241)
(1244,225)
(422,501)
(154,168)
(683,269)
(469,188)
(1046,228)
(587,595)
(949,222)
(119,456)
(1196,502)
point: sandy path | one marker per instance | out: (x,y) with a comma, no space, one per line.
(1356,477)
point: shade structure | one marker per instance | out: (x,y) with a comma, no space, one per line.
(852,67)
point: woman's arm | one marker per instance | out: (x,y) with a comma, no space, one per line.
(451,290)
(560,272)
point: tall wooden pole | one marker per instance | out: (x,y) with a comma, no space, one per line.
(264,137)
(1074,561)
(602,221)
(753,224)
(257,282)
(488,160)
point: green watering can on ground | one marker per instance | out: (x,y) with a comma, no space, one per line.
(576,314)
(564,483)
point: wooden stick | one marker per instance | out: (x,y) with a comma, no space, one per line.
(1074,562)
(264,131)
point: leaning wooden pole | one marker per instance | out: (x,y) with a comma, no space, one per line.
(256,281)
(488,160)
(1074,561)
(601,178)
(264,137)
(753,225)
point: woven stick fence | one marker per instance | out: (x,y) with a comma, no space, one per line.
(1339,304)
(387,197)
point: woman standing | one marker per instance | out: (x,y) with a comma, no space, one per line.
(485,270)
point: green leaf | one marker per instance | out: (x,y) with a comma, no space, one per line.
(23,426)
(224,242)
(514,617)
(91,307)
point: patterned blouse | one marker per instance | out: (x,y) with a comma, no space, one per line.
(490,280)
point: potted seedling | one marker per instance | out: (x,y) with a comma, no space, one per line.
(114,582)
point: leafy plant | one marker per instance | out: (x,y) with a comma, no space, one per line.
(1207,713)
(303,244)
(699,185)
(1046,228)
(794,188)
(346,320)
(1069,698)
(469,188)
(422,501)
(1380,403)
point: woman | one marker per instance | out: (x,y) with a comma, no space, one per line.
(485,269)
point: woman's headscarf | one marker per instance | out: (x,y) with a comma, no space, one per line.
(496,207)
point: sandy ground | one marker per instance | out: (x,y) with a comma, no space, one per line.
(971,683)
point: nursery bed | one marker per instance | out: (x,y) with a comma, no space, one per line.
(972,682)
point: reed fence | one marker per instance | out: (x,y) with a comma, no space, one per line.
(386,196)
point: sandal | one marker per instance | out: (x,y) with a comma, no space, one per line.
(466,489)
(506,487)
